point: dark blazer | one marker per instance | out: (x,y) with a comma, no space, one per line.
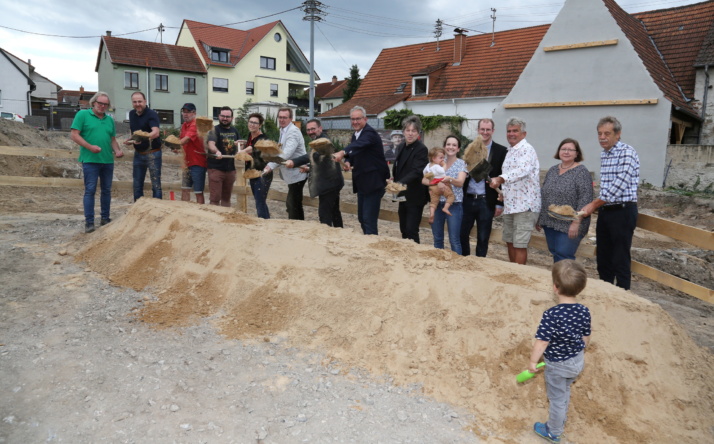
(409,169)
(495,157)
(366,156)
(325,174)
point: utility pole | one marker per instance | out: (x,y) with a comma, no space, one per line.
(437,31)
(313,14)
(493,27)
(162,28)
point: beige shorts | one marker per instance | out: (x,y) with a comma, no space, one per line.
(517,228)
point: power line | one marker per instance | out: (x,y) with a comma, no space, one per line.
(333,47)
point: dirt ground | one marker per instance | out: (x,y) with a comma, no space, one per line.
(83,360)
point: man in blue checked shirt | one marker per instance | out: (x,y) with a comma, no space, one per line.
(617,218)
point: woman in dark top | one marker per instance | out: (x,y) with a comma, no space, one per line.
(260,185)
(567,183)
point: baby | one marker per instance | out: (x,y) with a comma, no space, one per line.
(436,173)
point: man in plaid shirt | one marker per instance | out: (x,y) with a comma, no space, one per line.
(617,218)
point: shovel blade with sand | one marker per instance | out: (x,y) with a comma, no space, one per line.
(526,375)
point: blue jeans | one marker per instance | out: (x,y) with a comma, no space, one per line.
(560,245)
(368,210)
(194,177)
(260,187)
(476,211)
(94,172)
(454,224)
(152,162)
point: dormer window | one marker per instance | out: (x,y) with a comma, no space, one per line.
(420,85)
(219,55)
(400,88)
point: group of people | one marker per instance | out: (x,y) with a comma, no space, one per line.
(459,201)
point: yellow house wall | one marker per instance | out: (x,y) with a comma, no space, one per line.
(248,69)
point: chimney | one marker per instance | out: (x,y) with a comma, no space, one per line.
(334,79)
(109,33)
(459,46)
(81,89)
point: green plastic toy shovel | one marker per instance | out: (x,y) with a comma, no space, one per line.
(526,375)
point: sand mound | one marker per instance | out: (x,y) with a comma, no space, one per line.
(461,327)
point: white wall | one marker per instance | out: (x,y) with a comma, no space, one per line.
(589,74)
(14,88)
(472,109)
(708,124)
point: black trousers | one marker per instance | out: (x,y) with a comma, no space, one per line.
(293,202)
(409,220)
(476,211)
(615,228)
(328,209)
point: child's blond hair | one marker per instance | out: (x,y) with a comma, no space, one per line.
(436,150)
(569,277)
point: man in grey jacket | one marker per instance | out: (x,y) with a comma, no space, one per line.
(293,145)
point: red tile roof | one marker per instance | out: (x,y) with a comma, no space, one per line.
(329,90)
(484,71)
(154,55)
(706,54)
(680,34)
(238,42)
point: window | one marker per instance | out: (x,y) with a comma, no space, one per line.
(216,112)
(400,88)
(250,88)
(162,82)
(219,55)
(273,90)
(189,85)
(131,80)
(220,85)
(329,106)
(420,86)
(166,116)
(267,63)
(277,37)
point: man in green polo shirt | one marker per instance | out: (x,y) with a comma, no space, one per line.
(93,130)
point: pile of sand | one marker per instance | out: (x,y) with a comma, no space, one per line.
(461,327)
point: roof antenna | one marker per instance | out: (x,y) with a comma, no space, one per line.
(162,28)
(493,28)
(437,32)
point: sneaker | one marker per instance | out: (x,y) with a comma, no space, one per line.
(104,222)
(89,228)
(541,430)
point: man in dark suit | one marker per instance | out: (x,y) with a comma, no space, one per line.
(479,199)
(365,155)
(412,157)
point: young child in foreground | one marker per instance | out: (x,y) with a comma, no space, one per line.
(436,173)
(562,335)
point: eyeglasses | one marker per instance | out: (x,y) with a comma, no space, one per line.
(568,150)
(250,122)
(225,117)
(102,103)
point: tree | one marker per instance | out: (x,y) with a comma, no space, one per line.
(353,82)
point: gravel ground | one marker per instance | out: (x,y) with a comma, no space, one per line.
(77,367)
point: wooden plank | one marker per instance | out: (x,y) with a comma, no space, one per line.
(581,45)
(694,236)
(123,185)
(582,103)
(168,157)
(679,284)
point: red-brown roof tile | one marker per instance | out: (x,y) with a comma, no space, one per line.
(372,104)
(706,54)
(680,34)
(237,41)
(154,55)
(329,90)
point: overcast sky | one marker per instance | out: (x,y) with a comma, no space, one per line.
(350,32)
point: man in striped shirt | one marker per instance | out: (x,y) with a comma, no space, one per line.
(617,218)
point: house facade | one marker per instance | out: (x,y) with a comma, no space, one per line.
(597,60)
(263,64)
(329,95)
(168,75)
(15,86)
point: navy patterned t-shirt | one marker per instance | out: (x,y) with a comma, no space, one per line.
(563,327)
